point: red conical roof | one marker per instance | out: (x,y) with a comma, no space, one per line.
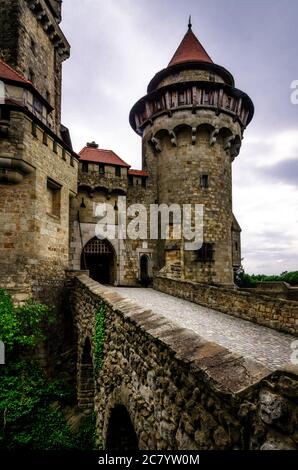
(190,50)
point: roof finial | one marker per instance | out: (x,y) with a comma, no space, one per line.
(189,22)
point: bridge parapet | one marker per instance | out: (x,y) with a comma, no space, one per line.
(179,391)
(276,313)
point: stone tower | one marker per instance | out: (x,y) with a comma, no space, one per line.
(192,122)
(38,168)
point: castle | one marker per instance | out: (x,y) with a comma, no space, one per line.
(170,386)
(191,122)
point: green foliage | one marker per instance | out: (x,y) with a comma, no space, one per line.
(86,437)
(99,335)
(22,326)
(250,280)
(31,405)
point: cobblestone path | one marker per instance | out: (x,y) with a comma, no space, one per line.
(262,344)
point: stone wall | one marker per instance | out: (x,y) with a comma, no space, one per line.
(34,243)
(180,391)
(98,189)
(281,290)
(26,46)
(185,153)
(279,314)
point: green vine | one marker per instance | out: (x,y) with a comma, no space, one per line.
(99,335)
(31,404)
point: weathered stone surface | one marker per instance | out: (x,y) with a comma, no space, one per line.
(272,407)
(275,313)
(276,441)
(175,403)
(34,211)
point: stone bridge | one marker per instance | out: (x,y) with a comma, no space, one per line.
(162,386)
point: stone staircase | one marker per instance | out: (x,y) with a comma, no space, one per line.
(172,270)
(86,388)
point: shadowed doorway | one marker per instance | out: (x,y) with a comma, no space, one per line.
(98,257)
(144,270)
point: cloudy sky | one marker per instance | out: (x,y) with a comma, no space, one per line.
(117,47)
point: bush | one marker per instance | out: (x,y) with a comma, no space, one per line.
(250,280)
(31,405)
(22,326)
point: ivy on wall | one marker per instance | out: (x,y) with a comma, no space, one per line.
(99,335)
(31,404)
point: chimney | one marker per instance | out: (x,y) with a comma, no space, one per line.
(92,145)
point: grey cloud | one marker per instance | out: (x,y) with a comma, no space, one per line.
(275,235)
(285,171)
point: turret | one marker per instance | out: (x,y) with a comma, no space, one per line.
(32,43)
(192,122)
(55,6)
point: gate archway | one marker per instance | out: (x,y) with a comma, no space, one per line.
(99,258)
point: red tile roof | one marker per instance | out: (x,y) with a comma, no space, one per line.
(190,50)
(89,154)
(138,173)
(8,73)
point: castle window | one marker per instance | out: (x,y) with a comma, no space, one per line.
(55,146)
(118,171)
(4,113)
(85,167)
(232,104)
(204,181)
(48,96)
(37,106)
(63,154)
(236,246)
(172,100)
(33,45)
(181,98)
(211,98)
(130,180)
(45,138)
(205,253)
(31,76)
(206,97)
(228,102)
(34,129)
(4,120)
(101,169)
(144,182)
(71,161)
(53,198)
